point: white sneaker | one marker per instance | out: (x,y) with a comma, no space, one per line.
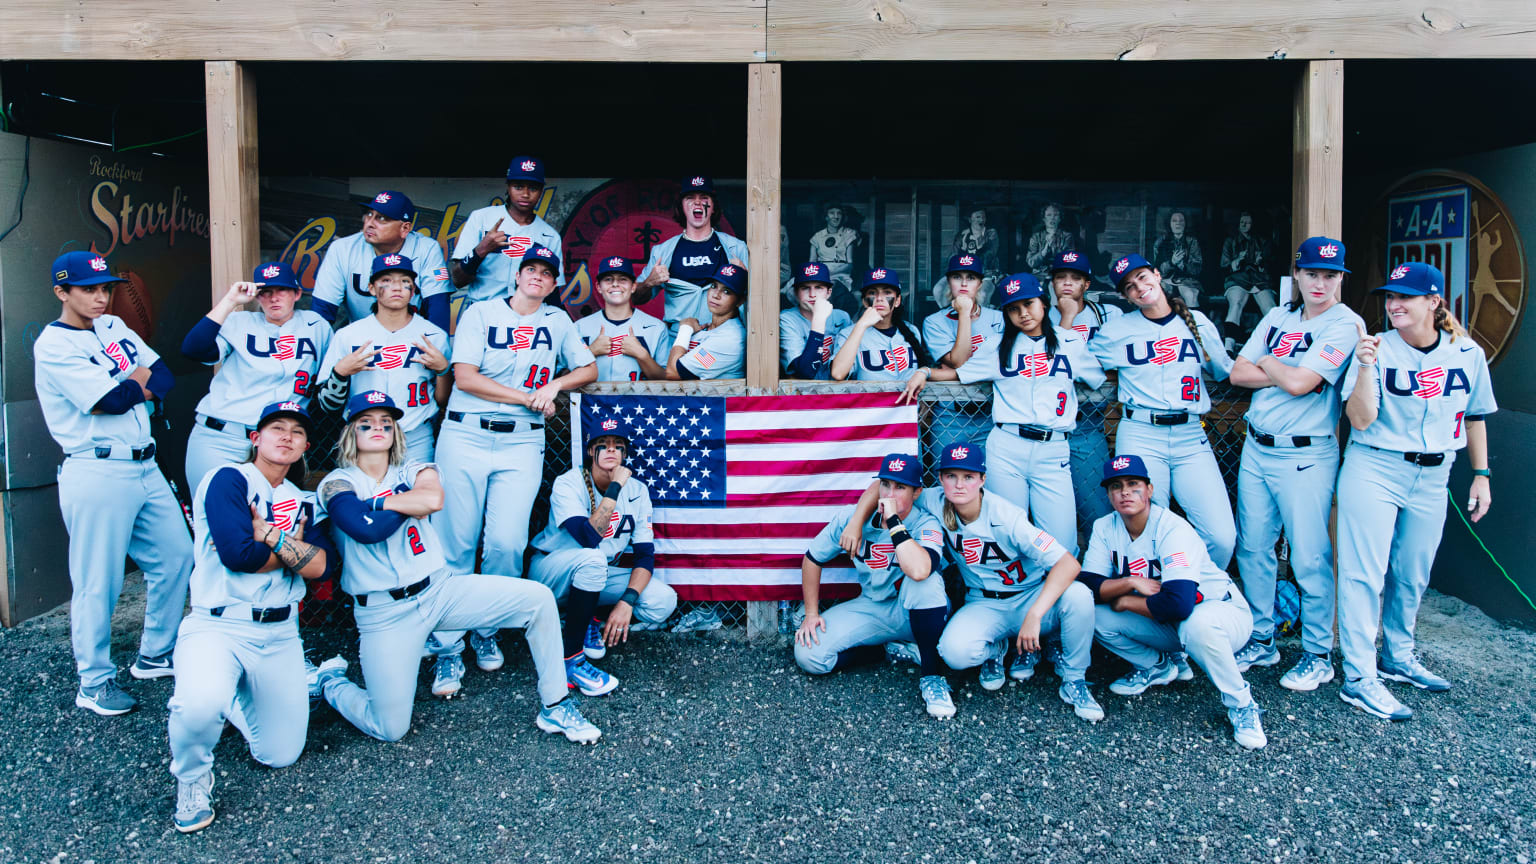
(936,697)
(991,674)
(1246,728)
(1310,672)
(564,718)
(1076,694)
(487,652)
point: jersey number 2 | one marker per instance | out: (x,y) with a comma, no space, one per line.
(301,383)
(414,537)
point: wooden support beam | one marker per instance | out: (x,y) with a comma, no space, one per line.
(1317,152)
(764,190)
(234,238)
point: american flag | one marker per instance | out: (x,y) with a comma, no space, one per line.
(1177,559)
(440,274)
(1332,355)
(740,484)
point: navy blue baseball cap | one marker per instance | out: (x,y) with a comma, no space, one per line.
(369,400)
(1321,253)
(543,255)
(279,410)
(812,271)
(1416,278)
(964,456)
(1072,260)
(881,276)
(902,468)
(614,264)
(392,261)
(82,268)
(606,427)
(1124,267)
(392,204)
(965,262)
(1124,466)
(527,169)
(733,278)
(276,274)
(1020,286)
(696,183)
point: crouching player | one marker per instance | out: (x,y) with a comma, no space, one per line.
(1159,593)
(599,551)
(903,596)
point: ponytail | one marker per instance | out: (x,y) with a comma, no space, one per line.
(951,519)
(1176,303)
(905,329)
(1446,321)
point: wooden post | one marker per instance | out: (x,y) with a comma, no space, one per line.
(234,241)
(1317,152)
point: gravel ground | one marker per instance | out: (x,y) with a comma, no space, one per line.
(715,751)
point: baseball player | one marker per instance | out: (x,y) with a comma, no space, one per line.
(1415,396)
(719,349)
(684,264)
(1160,353)
(506,356)
(629,344)
(394,350)
(599,551)
(264,356)
(953,336)
(1294,361)
(808,331)
(388,229)
(1159,593)
(902,598)
(494,240)
(1071,276)
(238,655)
(880,346)
(393,564)
(96,380)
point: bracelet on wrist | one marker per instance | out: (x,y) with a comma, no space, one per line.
(899,536)
(281,536)
(612,492)
(1481,472)
(630,596)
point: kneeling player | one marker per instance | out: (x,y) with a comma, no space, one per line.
(903,595)
(1160,593)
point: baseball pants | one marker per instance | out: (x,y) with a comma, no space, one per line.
(588,570)
(862,621)
(208,449)
(1211,635)
(1035,475)
(972,631)
(1290,488)
(247,673)
(115,509)
(1180,460)
(391,633)
(1391,514)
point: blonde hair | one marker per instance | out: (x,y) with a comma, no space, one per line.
(1179,307)
(346,448)
(952,518)
(1446,320)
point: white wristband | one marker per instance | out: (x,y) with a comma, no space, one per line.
(684,333)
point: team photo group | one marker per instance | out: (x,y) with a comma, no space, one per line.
(444,370)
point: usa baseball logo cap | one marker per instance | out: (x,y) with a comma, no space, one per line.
(733,278)
(527,169)
(392,262)
(1124,267)
(391,204)
(902,468)
(613,264)
(290,409)
(1321,253)
(812,271)
(696,183)
(609,427)
(276,274)
(1020,286)
(82,268)
(881,276)
(369,400)
(964,263)
(1416,278)
(1072,260)
(963,456)
(1124,466)
(540,254)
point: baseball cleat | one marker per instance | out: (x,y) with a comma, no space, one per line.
(146,668)
(935,692)
(903,652)
(1413,672)
(991,674)
(487,652)
(1181,664)
(1054,654)
(1246,728)
(1372,697)
(1076,694)
(1308,674)
(592,681)
(329,670)
(106,699)
(448,676)
(1023,667)
(1139,680)
(565,719)
(592,644)
(1256,653)
(194,809)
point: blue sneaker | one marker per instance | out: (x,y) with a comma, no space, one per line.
(1076,694)
(1372,697)
(592,681)
(146,668)
(592,644)
(1139,680)
(194,806)
(936,697)
(1413,672)
(448,676)
(1310,672)
(106,699)
(1246,728)
(1181,665)
(565,718)
(903,652)
(1256,653)
(487,652)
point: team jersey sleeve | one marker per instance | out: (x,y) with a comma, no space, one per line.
(1105,345)
(229,522)
(644,533)
(72,373)
(554,246)
(333,354)
(438,338)
(1481,402)
(568,498)
(937,336)
(1352,377)
(1099,558)
(1217,361)
(791,343)
(1036,543)
(928,533)
(427,269)
(574,352)
(661,341)
(824,548)
(469,338)
(1085,367)
(982,365)
(657,251)
(716,357)
(330,281)
(1331,349)
(232,333)
(469,237)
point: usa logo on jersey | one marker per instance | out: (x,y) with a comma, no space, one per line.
(516,246)
(616,345)
(970,550)
(282,348)
(284,512)
(613,523)
(826,348)
(391,356)
(1283,344)
(519,338)
(897,359)
(1162,352)
(118,356)
(1431,382)
(1427,383)
(878,556)
(977,339)
(285,347)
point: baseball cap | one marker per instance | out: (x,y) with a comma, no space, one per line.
(881,276)
(1417,278)
(963,455)
(1321,253)
(614,264)
(902,468)
(279,410)
(527,169)
(812,271)
(369,400)
(393,204)
(733,278)
(1071,260)
(82,268)
(392,261)
(1020,286)
(276,274)
(1124,267)
(610,426)
(1124,466)
(697,183)
(965,262)
(541,254)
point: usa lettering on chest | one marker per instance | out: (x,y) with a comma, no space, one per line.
(1426,383)
(1039,365)
(1283,344)
(1161,352)
(520,338)
(288,347)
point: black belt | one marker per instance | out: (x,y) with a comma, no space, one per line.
(260,616)
(1033,433)
(138,454)
(218,425)
(998,595)
(1144,416)
(410,590)
(1272,441)
(494,425)
(1427,460)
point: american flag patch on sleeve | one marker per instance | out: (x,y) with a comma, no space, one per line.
(930,535)
(706,359)
(440,274)
(1334,356)
(1177,559)
(1042,541)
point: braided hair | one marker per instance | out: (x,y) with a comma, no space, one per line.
(1180,308)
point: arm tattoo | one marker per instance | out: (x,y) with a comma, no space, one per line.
(296,554)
